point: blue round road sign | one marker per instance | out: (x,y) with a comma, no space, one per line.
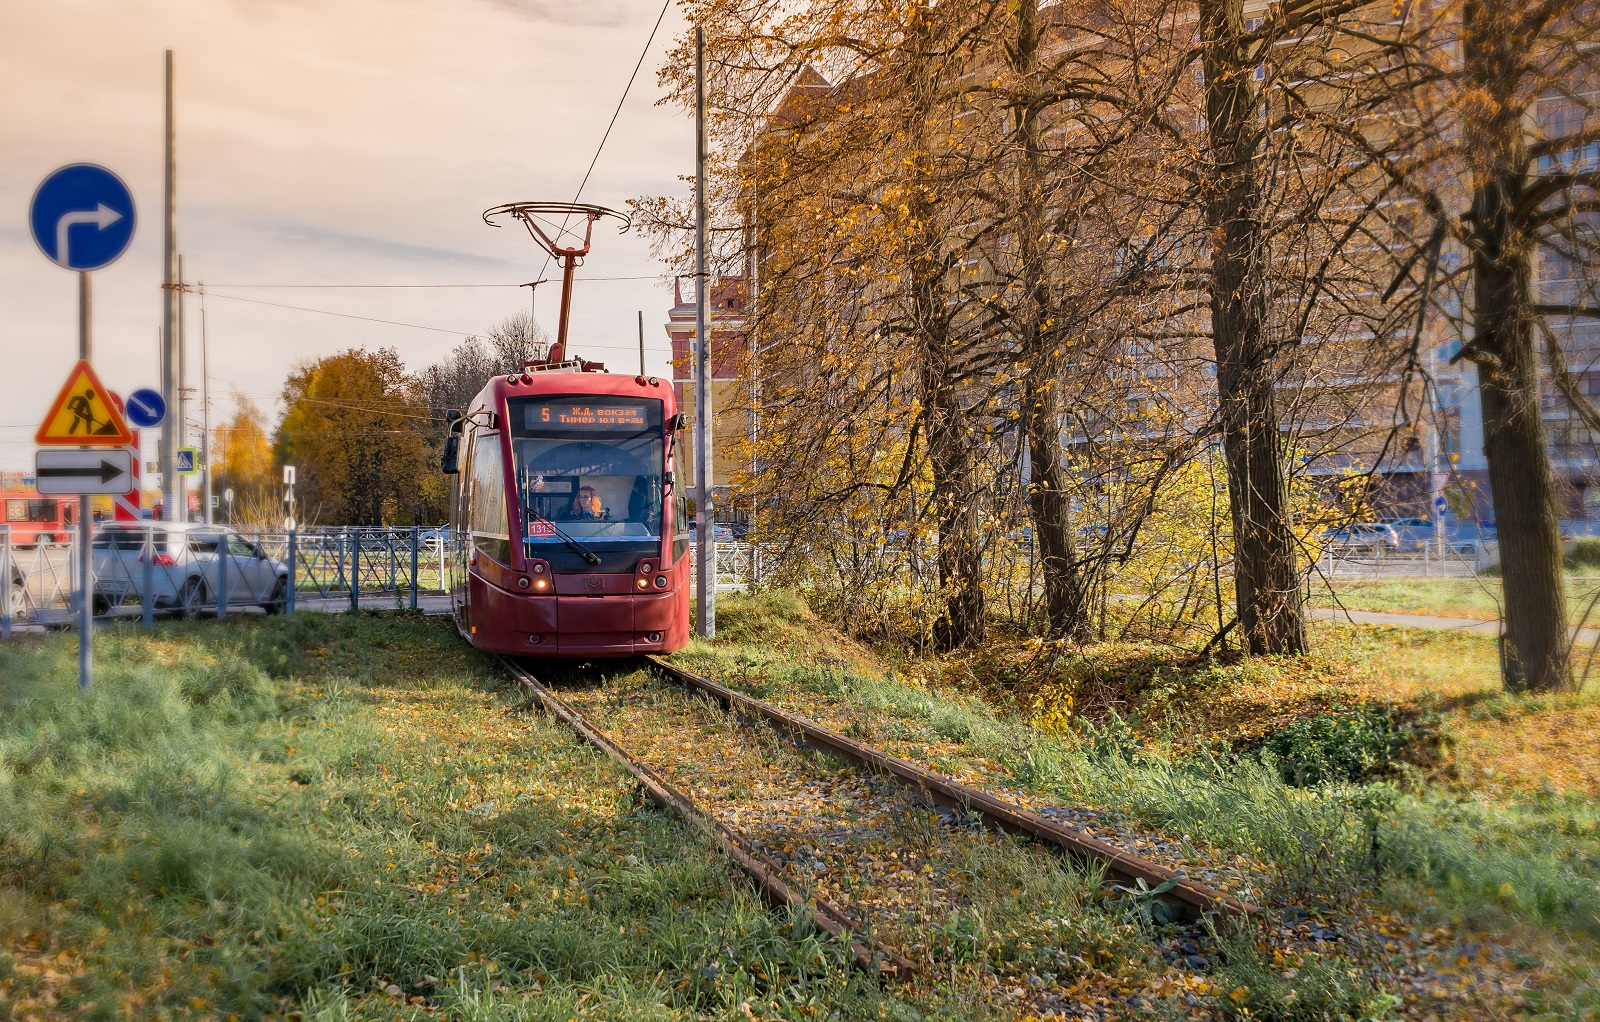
(82,217)
(146,408)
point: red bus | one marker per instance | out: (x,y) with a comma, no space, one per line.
(34,518)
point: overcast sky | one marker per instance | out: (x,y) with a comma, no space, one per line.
(325,142)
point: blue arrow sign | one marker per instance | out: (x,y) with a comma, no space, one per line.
(82,217)
(146,408)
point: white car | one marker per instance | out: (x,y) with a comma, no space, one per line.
(17,593)
(1371,537)
(184,567)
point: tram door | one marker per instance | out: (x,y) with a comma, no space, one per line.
(460,535)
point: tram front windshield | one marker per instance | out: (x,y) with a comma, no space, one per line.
(588,475)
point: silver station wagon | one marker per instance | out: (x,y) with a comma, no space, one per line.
(187,567)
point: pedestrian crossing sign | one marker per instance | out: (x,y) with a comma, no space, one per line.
(83,414)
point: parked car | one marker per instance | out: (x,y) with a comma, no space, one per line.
(435,534)
(17,593)
(720,533)
(184,562)
(1412,533)
(1370,537)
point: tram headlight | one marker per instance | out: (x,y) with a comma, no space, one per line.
(661,581)
(644,583)
(541,584)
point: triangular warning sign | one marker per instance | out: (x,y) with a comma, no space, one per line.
(83,415)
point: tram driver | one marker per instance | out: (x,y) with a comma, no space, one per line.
(586,506)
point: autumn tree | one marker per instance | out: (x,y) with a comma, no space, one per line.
(1069,243)
(853,195)
(354,426)
(1264,210)
(1503,150)
(515,341)
(242,460)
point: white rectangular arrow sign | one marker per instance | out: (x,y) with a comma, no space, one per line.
(68,471)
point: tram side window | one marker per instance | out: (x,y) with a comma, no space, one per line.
(491,533)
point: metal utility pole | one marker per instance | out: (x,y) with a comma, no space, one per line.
(170,426)
(705,520)
(641,342)
(182,484)
(205,412)
(533,304)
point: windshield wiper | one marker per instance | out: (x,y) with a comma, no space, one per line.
(572,544)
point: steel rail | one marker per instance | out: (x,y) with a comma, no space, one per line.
(777,886)
(1186,895)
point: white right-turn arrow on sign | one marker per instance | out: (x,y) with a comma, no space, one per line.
(102,217)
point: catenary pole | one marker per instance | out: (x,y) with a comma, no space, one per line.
(641,342)
(169,322)
(705,520)
(182,482)
(205,411)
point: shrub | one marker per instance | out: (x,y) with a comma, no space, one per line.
(1585,555)
(1344,746)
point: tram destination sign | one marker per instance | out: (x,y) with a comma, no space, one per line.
(600,416)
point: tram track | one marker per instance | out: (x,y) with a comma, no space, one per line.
(802,828)
(1189,897)
(777,885)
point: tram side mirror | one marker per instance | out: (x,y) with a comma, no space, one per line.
(679,420)
(450,463)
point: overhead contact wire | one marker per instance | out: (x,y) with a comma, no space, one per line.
(612,123)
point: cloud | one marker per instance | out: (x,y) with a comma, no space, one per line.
(328,241)
(599,13)
(324,144)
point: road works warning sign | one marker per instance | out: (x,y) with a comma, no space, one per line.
(83,415)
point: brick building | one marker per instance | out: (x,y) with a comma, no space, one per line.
(731,400)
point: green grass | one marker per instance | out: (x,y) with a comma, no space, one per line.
(333,814)
(1523,870)
(1442,597)
(1477,598)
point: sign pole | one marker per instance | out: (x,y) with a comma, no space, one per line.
(85,518)
(67,203)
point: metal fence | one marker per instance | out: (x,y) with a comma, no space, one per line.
(326,569)
(357,564)
(738,566)
(1463,560)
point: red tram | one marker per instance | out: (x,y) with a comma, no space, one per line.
(571,531)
